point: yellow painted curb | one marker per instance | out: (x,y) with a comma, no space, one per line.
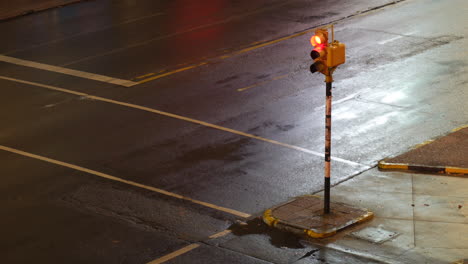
(460,128)
(455,170)
(272,221)
(319,235)
(392,166)
(269,219)
(365,217)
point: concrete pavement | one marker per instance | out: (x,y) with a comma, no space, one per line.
(429,214)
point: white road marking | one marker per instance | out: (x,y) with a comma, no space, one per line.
(174,254)
(351,96)
(395,38)
(187,248)
(147,109)
(132,183)
(389,40)
(81,74)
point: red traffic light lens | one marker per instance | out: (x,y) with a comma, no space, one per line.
(319,39)
(315,40)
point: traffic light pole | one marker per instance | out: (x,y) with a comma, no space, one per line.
(328,80)
(326,57)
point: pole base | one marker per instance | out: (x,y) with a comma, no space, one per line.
(304,215)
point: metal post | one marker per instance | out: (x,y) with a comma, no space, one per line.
(328,81)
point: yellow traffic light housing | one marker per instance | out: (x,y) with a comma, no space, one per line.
(336,54)
(326,56)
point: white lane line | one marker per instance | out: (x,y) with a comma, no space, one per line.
(351,96)
(147,109)
(397,37)
(187,248)
(174,254)
(389,40)
(81,74)
(132,183)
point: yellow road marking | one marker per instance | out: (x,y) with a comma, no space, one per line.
(229,55)
(262,83)
(144,76)
(174,254)
(194,121)
(367,12)
(220,234)
(273,41)
(171,72)
(132,183)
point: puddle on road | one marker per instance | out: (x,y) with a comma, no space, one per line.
(278,238)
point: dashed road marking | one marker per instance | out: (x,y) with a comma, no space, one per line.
(132,183)
(187,119)
(81,74)
(175,254)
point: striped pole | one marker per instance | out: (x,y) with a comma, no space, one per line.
(326,207)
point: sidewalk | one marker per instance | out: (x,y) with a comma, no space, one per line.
(426,216)
(418,218)
(12,9)
(429,214)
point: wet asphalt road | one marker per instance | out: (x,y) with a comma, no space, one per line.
(217,62)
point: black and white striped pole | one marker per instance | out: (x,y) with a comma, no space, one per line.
(328,106)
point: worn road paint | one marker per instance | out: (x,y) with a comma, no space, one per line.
(132,183)
(220,234)
(81,74)
(171,72)
(187,119)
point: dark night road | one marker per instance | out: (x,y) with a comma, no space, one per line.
(133,129)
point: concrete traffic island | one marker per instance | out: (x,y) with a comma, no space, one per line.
(305,215)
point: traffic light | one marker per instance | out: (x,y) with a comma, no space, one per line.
(326,56)
(319,54)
